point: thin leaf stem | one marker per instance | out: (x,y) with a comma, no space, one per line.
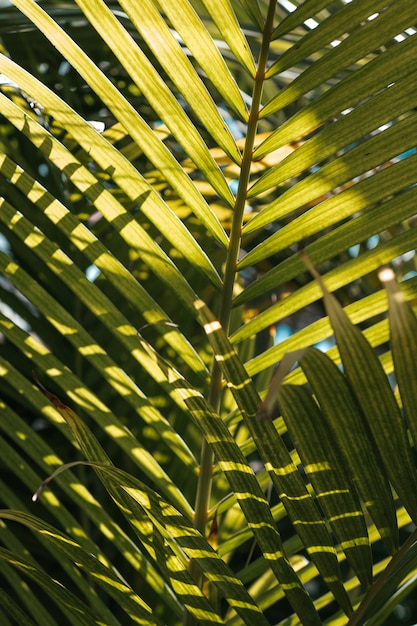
(240,203)
(214,398)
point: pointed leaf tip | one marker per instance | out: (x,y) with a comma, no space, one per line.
(58,404)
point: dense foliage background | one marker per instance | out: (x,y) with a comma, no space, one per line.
(155,157)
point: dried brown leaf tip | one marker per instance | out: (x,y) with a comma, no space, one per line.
(51,396)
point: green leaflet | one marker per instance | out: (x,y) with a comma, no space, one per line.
(96,253)
(154,29)
(115,213)
(153,516)
(34,448)
(395,583)
(329,475)
(375,150)
(190,27)
(363,41)
(137,610)
(13,609)
(284,474)
(403,332)
(70,384)
(336,278)
(222,13)
(133,122)
(297,17)
(97,358)
(362,84)
(245,487)
(377,403)
(329,30)
(351,434)
(162,197)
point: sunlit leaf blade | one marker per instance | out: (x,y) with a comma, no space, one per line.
(284,474)
(174,568)
(20,610)
(158,36)
(96,253)
(320,178)
(201,45)
(352,90)
(136,608)
(173,526)
(175,529)
(364,196)
(329,476)
(122,110)
(114,212)
(112,161)
(28,593)
(71,606)
(224,17)
(376,150)
(326,32)
(371,153)
(403,342)
(303,11)
(61,265)
(33,447)
(338,277)
(42,360)
(96,357)
(350,432)
(376,401)
(245,487)
(252,12)
(363,41)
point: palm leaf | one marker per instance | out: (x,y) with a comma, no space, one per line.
(236,134)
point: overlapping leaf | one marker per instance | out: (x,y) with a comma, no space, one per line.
(376,400)
(284,474)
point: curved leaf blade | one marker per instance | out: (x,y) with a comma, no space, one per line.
(192,31)
(96,253)
(223,15)
(330,479)
(155,31)
(118,217)
(362,42)
(350,431)
(376,400)
(34,448)
(361,203)
(376,150)
(172,524)
(284,474)
(403,343)
(71,385)
(104,576)
(245,487)
(350,270)
(327,31)
(122,109)
(97,358)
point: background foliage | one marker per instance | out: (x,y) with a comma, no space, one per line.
(162,168)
